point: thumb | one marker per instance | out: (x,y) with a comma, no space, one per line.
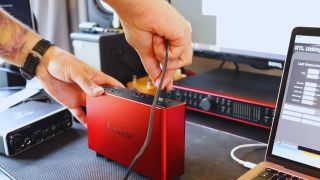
(79,114)
(87,85)
(151,65)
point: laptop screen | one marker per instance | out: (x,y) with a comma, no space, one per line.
(298,133)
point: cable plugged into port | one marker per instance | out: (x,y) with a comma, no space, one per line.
(27,141)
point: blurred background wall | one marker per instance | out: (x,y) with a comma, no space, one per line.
(58,18)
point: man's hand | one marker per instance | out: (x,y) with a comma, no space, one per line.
(68,80)
(62,75)
(147,24)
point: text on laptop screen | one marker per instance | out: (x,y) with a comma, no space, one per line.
(298,132)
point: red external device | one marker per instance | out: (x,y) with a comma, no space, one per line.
(117,128)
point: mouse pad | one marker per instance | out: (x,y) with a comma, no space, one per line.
(67,156)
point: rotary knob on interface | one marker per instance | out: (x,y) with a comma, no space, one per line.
(206,103)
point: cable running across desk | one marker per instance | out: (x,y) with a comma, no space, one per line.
(246,164)
(151,117)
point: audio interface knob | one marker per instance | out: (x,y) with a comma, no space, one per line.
(178,95)
(206,103)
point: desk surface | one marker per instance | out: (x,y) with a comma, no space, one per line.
(68,157)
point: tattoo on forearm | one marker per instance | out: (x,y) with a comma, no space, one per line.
(12,37)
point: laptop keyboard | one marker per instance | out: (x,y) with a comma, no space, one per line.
(272,174)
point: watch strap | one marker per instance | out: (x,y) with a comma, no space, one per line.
(28,70)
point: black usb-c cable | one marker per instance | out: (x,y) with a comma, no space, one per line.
(151,117)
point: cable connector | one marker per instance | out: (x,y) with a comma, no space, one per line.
(249,165)
(246,164)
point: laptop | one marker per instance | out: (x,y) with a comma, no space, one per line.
(294,143)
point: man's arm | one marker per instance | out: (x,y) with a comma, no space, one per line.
(16,40)
(62,75)
(147,25)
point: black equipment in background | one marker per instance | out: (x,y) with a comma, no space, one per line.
(19,9)
(119,59)
(110,53)
(239,96)
(13,76)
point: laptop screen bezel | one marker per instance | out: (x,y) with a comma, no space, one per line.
(289,164)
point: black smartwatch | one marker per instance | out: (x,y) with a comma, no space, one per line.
(28,70)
